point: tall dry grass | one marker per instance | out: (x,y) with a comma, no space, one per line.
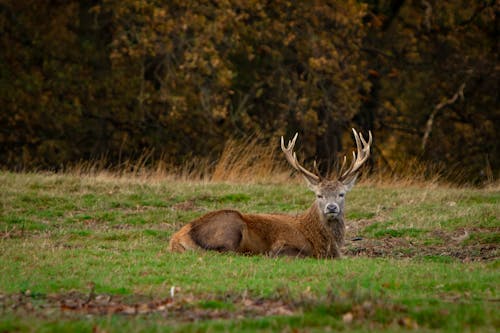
(250,161)
(241,161)
(408,172)
(255,161)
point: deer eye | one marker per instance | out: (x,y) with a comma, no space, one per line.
(319,196)
(341,195)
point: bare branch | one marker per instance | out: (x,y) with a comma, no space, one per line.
(428,14)
(437,108)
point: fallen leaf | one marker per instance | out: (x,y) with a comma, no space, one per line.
(347,317)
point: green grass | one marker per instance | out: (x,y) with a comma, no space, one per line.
(59,234)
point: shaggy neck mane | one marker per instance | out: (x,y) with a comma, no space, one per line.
(325,236)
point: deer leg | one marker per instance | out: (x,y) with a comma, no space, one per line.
(282,249)
(222,231)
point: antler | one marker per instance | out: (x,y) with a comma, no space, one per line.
(360,158)
(291,157)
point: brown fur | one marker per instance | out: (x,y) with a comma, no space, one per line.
(272,234)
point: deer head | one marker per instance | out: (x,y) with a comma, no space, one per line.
(330,193)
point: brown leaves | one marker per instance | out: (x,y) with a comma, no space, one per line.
(185,308)
(368,310)
(106,304)
(268,307)
(195,73)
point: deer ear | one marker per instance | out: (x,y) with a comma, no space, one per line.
(350,181)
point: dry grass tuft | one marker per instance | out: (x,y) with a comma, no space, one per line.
(249,162)
(416,173)
(409,172)
(255,161)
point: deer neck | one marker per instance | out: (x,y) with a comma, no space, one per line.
(331,231)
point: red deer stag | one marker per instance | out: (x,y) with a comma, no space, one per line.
(318,232)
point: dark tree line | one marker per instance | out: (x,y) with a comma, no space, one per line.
(84,79)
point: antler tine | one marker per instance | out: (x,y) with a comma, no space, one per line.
(362,155)
(344,161)
(289,149)
(351,165)
(315,167)
(291,157)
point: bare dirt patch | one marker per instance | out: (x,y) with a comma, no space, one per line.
(451,243)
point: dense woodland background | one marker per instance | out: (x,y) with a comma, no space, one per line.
(84,80)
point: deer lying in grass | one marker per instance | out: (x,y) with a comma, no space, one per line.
(318,232)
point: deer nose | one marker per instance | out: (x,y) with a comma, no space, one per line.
(332,208)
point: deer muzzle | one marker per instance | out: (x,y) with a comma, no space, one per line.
(332,209)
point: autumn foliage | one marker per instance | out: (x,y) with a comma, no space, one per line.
(84,80)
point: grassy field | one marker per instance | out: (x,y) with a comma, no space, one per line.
(89,254)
